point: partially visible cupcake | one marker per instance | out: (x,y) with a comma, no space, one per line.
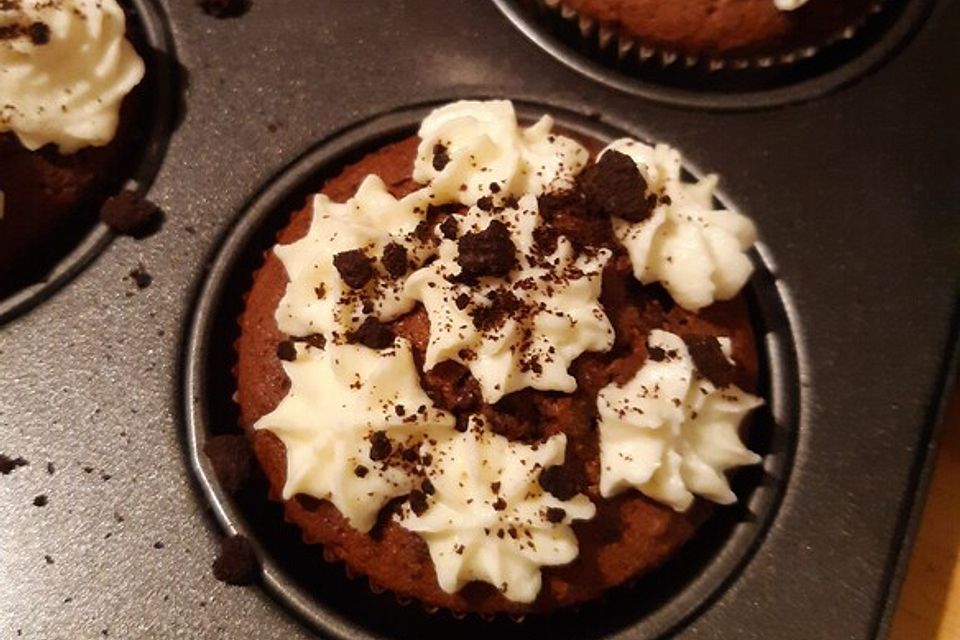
(68,110)
(716,33)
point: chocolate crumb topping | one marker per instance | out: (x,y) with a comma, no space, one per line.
(395,259)
(224,8)
(490,252)
(39,33)
(8,464)
(555,514)
(232,460)
(441,156)
(315,340)
(236,563)
(449,228)
(360,471)
(656,353)
(130,214)
(710,360)
(503,304)
(373,333)
(485,203)
(418,502)
(287,351)
(462,301)
(558,482)
(614,187)
(427,487)
(354,267)
(462,423)
(380,446)
(494,187)
(500,504)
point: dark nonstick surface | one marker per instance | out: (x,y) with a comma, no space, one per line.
(855,195)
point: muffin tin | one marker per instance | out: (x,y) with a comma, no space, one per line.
(854,195)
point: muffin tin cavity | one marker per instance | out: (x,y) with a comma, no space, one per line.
(69,250)
(320,593)
(764,82)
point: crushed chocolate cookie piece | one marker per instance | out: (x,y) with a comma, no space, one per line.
(287,351)
(360,471)
(232,460)
(709,359)
(494,187)
(130,214)
(395,259)
(427,487)
(315,340)
(555,515)
(500,504)
(656,353)
(490,252)
(40,501)
(462,301)
(380,446)
(495,487)
(485,203)
(503,304)
(8,464)
(39,33)
(373,334)
(551,205)
(418,502)
(320,290)
(424,231)
(558,482)
(441,156)
(236,563)
(140,277)
(224,8)
(614,186)
(449,228)
(354,267)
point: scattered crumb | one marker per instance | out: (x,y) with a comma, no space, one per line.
(8,464)
(224,8)
(231,458)
(40,501)
(140,277)
(158,545)
(129,214)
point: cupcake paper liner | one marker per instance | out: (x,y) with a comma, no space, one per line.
(607,39)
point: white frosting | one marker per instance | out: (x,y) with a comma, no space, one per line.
(339,396)
(68,91)
(789,5)
(485,145)
(670,433)
(487,519)
(316,299)
(562,315)
(696,252)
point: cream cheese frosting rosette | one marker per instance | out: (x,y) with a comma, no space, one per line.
(697,252)
(65,67)
(419,315)
(670,432)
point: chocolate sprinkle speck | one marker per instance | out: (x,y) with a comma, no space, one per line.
(287,351)
(490,252)
(556,514)
(380,446)
(236,563)
(440,156)
(354,267)
(8,464)
(709,359)
(373,334)
(614,187)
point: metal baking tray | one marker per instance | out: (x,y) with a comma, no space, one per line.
(854,192)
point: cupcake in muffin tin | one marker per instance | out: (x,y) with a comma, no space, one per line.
(497,369)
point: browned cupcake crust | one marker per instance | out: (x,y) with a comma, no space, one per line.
(726,28)
(630,534)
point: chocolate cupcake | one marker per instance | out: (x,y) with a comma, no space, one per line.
(734,34)
(65,127)
(499,370)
